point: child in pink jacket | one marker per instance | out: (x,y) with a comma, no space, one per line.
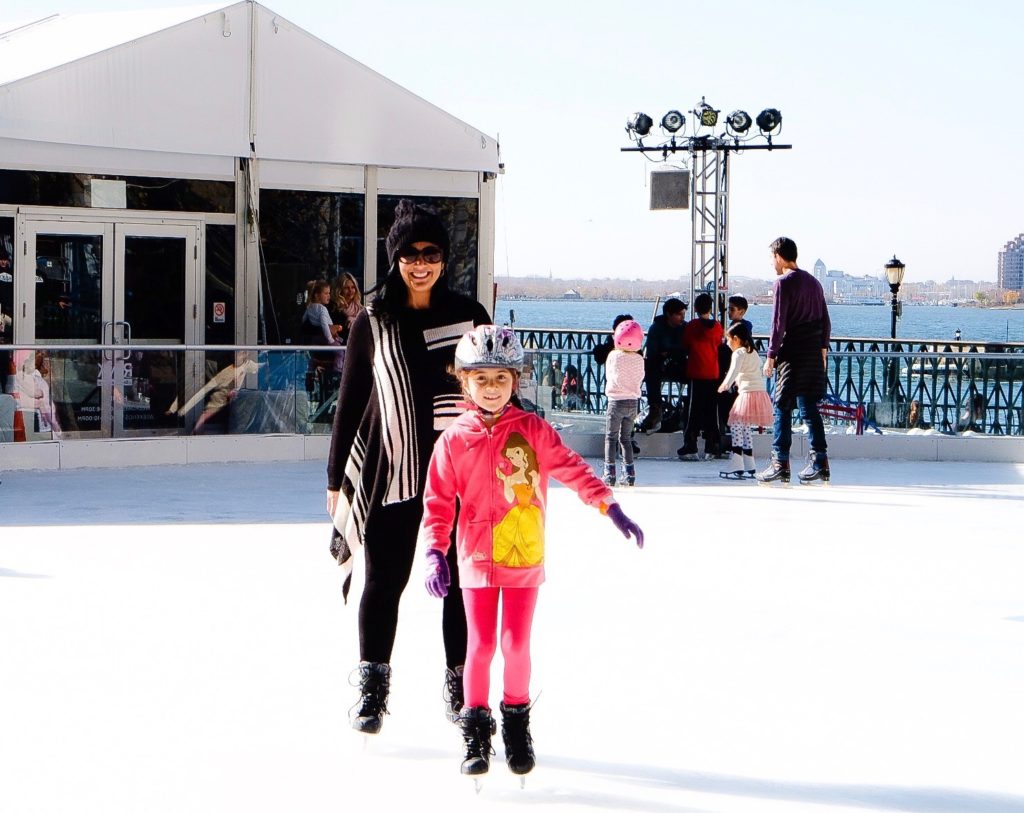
(496,460)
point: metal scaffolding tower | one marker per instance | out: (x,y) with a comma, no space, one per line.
(707,156)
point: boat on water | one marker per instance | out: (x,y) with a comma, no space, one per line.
(855,299)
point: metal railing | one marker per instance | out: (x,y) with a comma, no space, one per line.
(112,390)
(948,386)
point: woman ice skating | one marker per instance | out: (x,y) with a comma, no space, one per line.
(496,460)
(623,379)
(396,396)
(752,407)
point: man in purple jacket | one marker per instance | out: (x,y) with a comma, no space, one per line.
(797,353)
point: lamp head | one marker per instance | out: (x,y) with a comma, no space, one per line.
(639,123)
(769,120)
(673,121)
(894,271)
(739,121)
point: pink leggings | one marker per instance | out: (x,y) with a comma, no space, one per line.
(517,608)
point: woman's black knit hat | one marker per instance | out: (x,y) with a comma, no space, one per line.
(415,224)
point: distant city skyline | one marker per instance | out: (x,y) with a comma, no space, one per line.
(888,107)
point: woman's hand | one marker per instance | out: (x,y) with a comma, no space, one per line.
(332,502)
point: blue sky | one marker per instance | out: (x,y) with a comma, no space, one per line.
(903,117)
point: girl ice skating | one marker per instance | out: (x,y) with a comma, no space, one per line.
(496,460)
(752,406)
(624,378)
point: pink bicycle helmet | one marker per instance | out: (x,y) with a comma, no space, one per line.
(629,336)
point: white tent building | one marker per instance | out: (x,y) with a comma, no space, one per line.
(177,177)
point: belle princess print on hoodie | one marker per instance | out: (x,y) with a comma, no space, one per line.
(519,537)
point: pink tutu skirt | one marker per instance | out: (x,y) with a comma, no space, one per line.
(752,409)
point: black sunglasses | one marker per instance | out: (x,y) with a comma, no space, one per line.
(431,254)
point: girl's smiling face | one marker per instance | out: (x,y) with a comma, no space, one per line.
(491,388)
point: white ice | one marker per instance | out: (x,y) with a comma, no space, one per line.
(173,639)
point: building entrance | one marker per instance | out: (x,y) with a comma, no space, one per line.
(103,283)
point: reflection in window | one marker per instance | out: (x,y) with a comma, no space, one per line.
(220,284)
(30,188)
(6,284)
(305,236)
(69,270)
(461,215)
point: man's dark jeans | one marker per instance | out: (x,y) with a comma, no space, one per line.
(783,440)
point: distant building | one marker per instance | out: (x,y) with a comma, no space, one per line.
(843,289)
(1010,274)
(572,293)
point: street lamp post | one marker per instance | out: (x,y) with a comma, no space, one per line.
(894,271)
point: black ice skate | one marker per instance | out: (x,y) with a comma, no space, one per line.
(777,472)
(630,474)
(688,453)
(453,696)
(476,724)
(374,683)
(609,475)
(515,732)
(816,469)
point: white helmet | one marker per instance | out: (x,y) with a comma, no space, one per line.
(489,346)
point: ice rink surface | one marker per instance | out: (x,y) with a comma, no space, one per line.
(173,639)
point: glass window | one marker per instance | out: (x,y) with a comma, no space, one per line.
(220,284)
(69,282)
(31,188)
(305,236)
(462,218)
(6,283)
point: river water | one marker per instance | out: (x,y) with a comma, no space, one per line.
(922,322)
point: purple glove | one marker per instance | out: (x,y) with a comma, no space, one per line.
(625,524)
(438,575)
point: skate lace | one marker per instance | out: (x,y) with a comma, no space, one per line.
(452,695)
(374,694)
(515,732)
(478,739)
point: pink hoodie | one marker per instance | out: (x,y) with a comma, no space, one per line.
(500,476)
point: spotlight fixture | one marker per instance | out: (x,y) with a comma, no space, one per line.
(739,121)
(706,114)
(673,121)
(769,120)
(640,123)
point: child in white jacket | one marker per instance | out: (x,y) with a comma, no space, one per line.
(623,378)
(752,406)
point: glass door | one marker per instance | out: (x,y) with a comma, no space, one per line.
(154,303)
(62,290)
(110,283)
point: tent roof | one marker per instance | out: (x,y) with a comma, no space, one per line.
(208,80)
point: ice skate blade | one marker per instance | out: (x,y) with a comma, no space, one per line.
(731,475)
(478,784)
(771,483)
(522,783)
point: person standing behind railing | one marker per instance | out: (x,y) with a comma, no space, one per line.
(663,357)
(701,341)
(798,343)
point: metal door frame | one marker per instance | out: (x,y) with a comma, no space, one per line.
(113,226)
